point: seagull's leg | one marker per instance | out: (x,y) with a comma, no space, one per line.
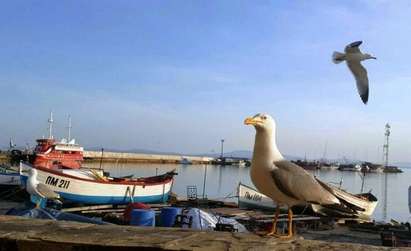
(290,227)
(274,227)
(290,223)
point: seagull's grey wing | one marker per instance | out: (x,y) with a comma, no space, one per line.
(297,183)
(353,47)
(360,75)
(47,192)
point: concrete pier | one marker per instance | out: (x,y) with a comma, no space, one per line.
(17,233)
(143,158)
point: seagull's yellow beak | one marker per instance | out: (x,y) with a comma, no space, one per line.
(253,121)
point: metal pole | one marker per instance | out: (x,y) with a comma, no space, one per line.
(386,150)
(101,158)
(222,148)
(204,182)
(363,179)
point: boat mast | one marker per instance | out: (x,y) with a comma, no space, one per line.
(69,129)
(51,125)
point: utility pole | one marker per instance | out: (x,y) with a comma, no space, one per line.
(386,144)
(222,148)
(386,150)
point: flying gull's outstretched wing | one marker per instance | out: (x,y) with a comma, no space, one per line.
(353,47)
(360,75)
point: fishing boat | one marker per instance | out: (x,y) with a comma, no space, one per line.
(99,189)
(185,161)
(352,205)
(50,153)
(9,178)
(308,165)
(359,205)
(249,198)
(350,167)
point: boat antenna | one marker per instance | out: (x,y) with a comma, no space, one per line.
(11,144)
(51,125)
(69,128)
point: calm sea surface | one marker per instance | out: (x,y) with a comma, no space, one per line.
(221,182)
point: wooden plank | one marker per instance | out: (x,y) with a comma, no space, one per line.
(78,209)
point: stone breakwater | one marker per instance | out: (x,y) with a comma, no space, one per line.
(143,158)
(17,233)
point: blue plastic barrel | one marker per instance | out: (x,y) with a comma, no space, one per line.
(168,216)
(143,217)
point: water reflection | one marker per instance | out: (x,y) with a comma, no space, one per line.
(222,182)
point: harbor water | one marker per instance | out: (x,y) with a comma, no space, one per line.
(221,183)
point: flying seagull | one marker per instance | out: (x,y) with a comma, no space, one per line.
(285,183)
(353,57)
(39,192)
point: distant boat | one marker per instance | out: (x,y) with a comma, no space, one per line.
(9,178)
(250,198)
(328,166)
(241,163)
(350,167)
(185,161)
(50,153)
(368,167)
(307,165)
(102,190)
(392,169)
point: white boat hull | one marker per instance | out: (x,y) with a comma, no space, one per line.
(250,198)
(362,205)
(9,179)
(86,191)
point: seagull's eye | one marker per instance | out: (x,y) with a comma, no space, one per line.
(264,117)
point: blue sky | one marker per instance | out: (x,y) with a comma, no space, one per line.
(180,75)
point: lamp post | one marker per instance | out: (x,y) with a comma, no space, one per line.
(222,148)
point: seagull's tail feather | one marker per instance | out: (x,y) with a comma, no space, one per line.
(338,57)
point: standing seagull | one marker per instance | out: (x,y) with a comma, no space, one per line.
(353,56)
(284,182)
